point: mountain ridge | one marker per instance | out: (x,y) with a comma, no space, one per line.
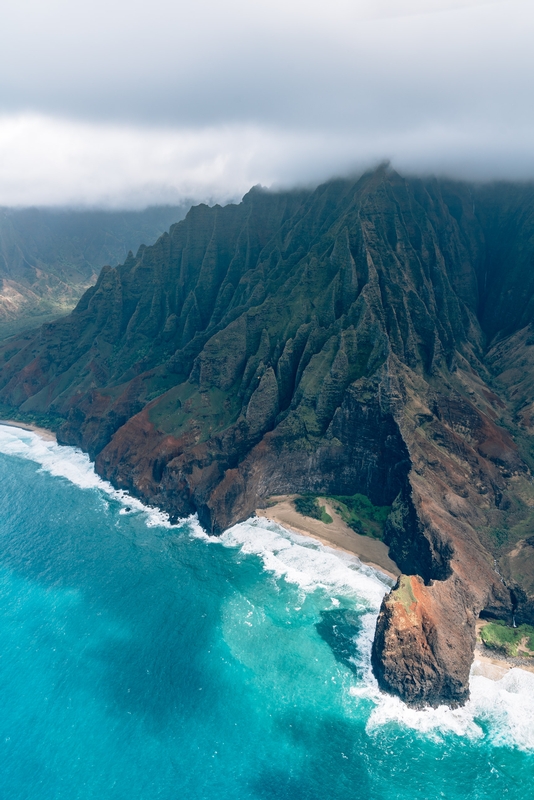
(335,341)
(50,256)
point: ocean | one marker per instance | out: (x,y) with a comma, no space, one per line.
(143,660)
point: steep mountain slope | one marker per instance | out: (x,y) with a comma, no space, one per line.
(49,257)
(368,336)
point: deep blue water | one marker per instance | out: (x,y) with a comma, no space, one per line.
(139,660)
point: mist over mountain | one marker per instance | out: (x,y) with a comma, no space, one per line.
(373,335)
(231,94)
(49,257)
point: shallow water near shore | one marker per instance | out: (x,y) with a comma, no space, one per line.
(144,660)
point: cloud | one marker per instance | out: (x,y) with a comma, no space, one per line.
(124,102)
(332,65)
(61,162)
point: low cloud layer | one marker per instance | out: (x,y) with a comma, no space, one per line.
(127,104)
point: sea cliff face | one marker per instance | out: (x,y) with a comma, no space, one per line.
(369,336)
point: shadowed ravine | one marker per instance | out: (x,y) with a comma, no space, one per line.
(370,336)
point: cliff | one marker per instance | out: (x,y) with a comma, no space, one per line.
(372,336)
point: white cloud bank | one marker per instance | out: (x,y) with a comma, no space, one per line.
(57,162)
(123,103)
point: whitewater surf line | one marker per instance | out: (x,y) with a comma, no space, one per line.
(501,711)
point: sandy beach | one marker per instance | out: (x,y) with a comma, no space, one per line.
(335,534)
(44,433)
(491,664)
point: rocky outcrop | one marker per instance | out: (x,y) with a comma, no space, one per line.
(409,657)
(331,341)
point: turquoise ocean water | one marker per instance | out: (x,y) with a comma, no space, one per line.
(143,660)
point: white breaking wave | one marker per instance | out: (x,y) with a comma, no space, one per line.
(306,562)
(76,466)
(501,710)
(298,559)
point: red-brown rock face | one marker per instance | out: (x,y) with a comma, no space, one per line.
(417,654)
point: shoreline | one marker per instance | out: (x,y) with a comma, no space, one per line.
(44,433)
(486,663)
(492,664)
(336,534)
(489,664)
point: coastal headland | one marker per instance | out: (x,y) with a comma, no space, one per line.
(338,535)
(372,337)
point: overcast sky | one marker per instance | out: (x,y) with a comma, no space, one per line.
(130,102)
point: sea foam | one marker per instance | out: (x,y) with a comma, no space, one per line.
(75,466)
(298,559)
(500,711)
(306,562)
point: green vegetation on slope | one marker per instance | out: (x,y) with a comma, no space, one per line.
(184,409)
(309,507)
(357,511)
(404,592)
(361,515)
(49,421)
(49,257)
(513,642)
